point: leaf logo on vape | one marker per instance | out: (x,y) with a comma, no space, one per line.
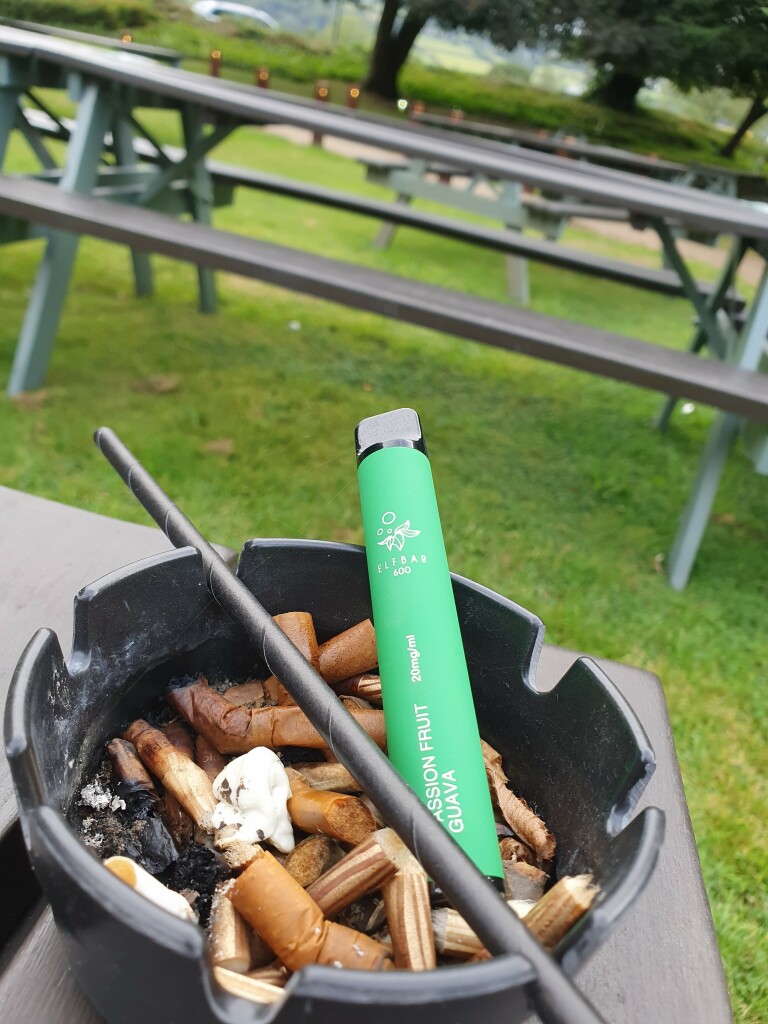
(396,535)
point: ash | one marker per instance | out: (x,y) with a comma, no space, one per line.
(197,868)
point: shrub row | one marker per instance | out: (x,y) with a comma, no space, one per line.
(82,14)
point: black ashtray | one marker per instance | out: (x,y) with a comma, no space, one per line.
(577,754)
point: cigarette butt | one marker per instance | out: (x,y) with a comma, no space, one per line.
(330,776)
(261,954)
(247,988)
(548,919)
(362,871)
(311,858)
(208,758)
(515,810)
(350,653)
(238,854)
(177,772)
(180,737)
(236,730)
(363,684)
(300,630)
(523,881)
(560,908)
(338,815)
(179,824)
(146,885)
(228,934)
(130,774)
(251,693)
(409,916)
(274,974)
(292,924)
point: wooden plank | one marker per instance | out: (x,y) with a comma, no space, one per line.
(261,106)
(37,985)
(491,323)
(51,551)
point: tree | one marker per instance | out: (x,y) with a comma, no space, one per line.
(731,53)
(401,22)
(628,41)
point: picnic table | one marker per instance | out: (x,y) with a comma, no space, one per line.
(110,94)
(660,965)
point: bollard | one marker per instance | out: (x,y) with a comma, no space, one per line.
(418,107)
(322,94)
(457,114)
(353,96)
(215,65)
(262,78)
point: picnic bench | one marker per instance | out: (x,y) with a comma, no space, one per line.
(707,177)
(109,95)
(661,963)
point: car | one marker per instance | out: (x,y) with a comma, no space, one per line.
(213,10)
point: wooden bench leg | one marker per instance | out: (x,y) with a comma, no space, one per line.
(201,190)
(387,229)
(122,139)
(721,438)
(9,108)
(41,320)
(696,515)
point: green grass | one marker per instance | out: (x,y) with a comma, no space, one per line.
(555,489)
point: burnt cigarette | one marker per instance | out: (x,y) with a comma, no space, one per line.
(208,758)
(409,915)
(350,653)
(311,858)
(177,772)
(148,886)
(130,775)
(292,924)
(338,815)
(363,684)
(236,730)
(560,908)
(247,988)
(329,775)
(362,871)
(516,812)
(228,934)
(300,630)
(251,693)
(523,881)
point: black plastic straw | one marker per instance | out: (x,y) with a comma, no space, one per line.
(555,997)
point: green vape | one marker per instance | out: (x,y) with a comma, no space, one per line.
(432,735)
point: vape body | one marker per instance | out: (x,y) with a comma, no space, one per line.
(432,734)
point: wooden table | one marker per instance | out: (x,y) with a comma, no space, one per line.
(660,966)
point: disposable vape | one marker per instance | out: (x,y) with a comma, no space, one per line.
(432,734)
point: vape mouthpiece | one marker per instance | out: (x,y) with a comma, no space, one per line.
(400,428)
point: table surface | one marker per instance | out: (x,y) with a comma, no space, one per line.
(50,551)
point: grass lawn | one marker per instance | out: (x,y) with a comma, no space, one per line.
(555,490)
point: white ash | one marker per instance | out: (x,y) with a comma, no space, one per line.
(95,840)
(100,797)
(252,792)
